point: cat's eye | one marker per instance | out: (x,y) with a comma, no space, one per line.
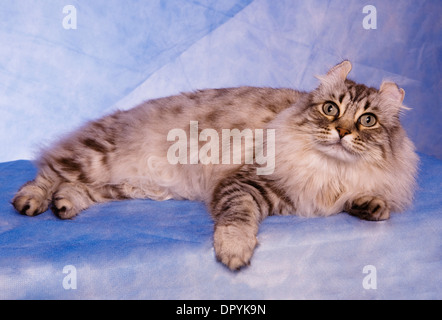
(330,109)
(368,120)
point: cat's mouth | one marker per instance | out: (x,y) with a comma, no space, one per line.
(338,150)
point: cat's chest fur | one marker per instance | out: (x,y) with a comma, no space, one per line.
(319,185)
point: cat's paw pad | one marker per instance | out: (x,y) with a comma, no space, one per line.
(234,246)
(63,208)
(370,208)
(30,201)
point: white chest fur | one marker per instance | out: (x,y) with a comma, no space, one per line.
(319,185)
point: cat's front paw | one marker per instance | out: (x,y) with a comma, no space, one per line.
(369,208)
(234,245)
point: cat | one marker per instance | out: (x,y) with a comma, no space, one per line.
(340,147)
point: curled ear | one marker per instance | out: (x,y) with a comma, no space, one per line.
(341,70)
(391,91)
(337,74)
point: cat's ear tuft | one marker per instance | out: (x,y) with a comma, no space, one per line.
(341,70)
(391,91)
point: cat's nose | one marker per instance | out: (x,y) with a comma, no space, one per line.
(342,132)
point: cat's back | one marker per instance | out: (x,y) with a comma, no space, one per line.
(240,107)
(218,109)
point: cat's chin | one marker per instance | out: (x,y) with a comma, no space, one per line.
(338,152)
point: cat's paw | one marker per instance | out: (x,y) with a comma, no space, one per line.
(70,199)
(63,207)
(369,208)
(30,200)
(234,245)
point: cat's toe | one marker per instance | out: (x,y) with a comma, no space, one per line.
(379,211)
(63,208)
(29,203)
(233,246)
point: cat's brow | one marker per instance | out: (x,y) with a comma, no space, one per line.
(341,97)
(367,105)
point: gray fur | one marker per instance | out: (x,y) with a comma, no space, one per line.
(324,164)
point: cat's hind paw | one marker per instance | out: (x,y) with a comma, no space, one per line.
(70,199)
(30,200)
(63,208)
(234,246)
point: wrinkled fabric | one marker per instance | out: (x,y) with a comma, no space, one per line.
(143,249)
(123,52)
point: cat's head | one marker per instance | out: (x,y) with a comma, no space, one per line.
(350,121)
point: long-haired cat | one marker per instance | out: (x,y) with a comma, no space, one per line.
(338,148)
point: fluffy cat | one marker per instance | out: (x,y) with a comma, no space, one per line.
(338,148)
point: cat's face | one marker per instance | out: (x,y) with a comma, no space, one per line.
(350,121)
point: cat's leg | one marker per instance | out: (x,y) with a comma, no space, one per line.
(238,206)
(368,208)
(58,183)
(235,233)
(71,198)
(63,181)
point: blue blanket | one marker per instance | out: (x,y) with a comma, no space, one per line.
(163,250)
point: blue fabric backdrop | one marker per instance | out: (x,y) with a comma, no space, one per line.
(145,249)
(123,52)
(53,79)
